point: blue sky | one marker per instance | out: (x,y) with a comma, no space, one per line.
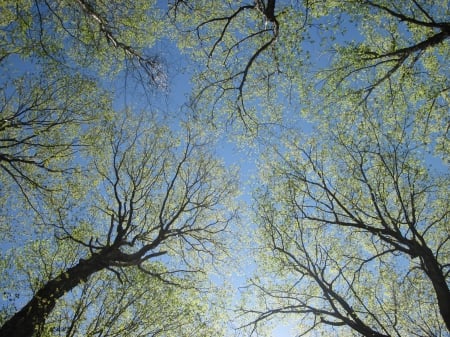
(172,102)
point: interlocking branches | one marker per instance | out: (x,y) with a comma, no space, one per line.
(312,265)
(159,199)
(151,65)
(102,306)
(347,222)
(234,45)
(391,61)
(34,113)
(399,226)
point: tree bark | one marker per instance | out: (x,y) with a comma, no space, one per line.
(27,321)
(434,272)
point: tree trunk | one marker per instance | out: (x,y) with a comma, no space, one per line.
(434,272)
(27,321)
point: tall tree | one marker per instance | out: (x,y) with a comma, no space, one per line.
(371,76)
(379,100)
(355,227)
(102,306)
(44,43)
(257,56)
(55,59)
(160,207)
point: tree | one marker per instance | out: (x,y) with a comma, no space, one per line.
(45,122)
(160,205)
(134,203)
(355,227)
(150,217)
(82,35)
(231,40)
(371,77)
(56,58)
(257,57)
(140,306)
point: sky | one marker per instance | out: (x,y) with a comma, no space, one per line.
(173,102)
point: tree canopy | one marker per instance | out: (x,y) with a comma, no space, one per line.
(117,216)
(156,203)
(355,227)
